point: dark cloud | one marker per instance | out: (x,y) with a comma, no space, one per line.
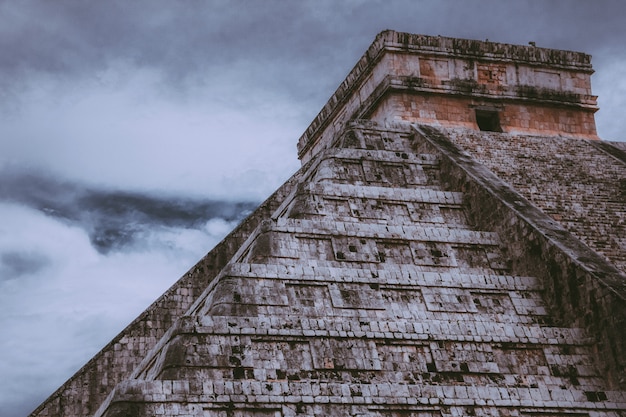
(118,219)
(186,42)
(114,220)
(299,50)
(188,37)
(293,42)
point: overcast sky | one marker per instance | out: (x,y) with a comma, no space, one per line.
(135,134)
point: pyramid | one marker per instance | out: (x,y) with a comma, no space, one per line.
(453,245)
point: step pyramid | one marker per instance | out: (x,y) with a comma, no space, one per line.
(368,292)
(394,275)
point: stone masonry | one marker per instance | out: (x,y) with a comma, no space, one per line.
(459,253)
(573,181)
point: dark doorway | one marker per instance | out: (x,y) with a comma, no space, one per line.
(488,121)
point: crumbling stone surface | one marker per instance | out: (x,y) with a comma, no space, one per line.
(370,291)
(445,111)
(444,81)
(580,185)
(619,145)
(580,286)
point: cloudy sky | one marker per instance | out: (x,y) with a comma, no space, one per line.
(135,134)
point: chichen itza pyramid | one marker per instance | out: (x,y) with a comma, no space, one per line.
(453,245)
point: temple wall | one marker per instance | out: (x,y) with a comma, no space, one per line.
(581,287)
(446,111)
(544,91)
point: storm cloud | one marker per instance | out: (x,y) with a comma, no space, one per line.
(113,219)
(135,134)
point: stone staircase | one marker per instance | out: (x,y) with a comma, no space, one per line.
(369,293)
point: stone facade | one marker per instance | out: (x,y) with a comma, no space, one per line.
(525,118)
(574,181)
(448,82)
(414,266)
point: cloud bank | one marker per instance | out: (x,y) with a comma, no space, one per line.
(74,270)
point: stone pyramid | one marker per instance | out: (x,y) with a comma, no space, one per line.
(453,245)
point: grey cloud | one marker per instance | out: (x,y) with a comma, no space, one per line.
(16,264)
(184,37)
(118,220)
(302,49)
(181,39)
(113,219)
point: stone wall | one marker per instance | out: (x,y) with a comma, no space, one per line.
(580,286)
(577,182)
(458,111)
(621,146)
(487,71)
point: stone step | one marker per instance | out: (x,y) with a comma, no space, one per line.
(256,393)
(315,298)
(445,329)
(419,195)
(377,139)
(399,156)
(473,377)
(392,275)
(389,169)
(415,232)
(424,245)
(428,206)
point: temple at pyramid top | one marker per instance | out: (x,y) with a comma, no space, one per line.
(453,245)
(463,83)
